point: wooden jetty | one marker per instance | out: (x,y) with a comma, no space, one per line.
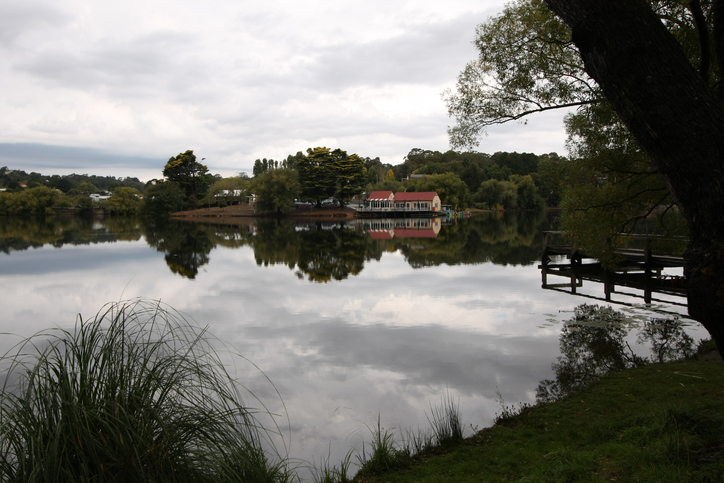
(639,269)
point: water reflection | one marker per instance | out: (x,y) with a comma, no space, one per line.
(413,318)
(18,233)
(594,343)
(186,248)
(319,252)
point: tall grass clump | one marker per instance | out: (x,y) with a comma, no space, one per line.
(384,453)
(135,394)
(446,421)
(325,472)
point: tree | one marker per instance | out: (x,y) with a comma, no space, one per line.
(190,175)
(276,190)
(316,175)
(226,191)
(498,193)
(84,188)
(324,173)
(526,64)
(34,201)
(451,189)
(527,193)
(123,201)
(162,198)
(349,175)
(677,118)
(656,71)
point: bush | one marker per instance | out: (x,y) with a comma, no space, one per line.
(136,394)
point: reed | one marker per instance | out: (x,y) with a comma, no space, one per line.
(135,394)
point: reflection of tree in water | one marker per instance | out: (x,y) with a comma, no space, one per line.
(320,252)
(331,254)
(186,245)
(276,242)
(511,239)
(19,233)
(593,344)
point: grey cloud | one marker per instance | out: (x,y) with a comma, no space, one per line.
(159,63)
(29,156)
(423,54)
(18,18)
(422,355)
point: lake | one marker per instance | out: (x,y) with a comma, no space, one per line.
(349,321)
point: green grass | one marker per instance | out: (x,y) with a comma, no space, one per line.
(661,422)
(136,394)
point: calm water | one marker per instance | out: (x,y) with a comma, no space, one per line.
(348,321)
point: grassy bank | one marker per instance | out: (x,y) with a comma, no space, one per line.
(661,422)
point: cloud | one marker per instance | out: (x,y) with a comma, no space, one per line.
(65,160)
(22,18)
(237,81)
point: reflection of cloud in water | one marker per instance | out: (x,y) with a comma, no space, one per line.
(389,341)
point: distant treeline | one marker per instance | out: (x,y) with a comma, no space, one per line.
(509,180)
(13,179)
(499,181)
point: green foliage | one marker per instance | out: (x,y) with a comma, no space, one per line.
(135,394)
(31,201)
(526,64)
(349,175)
(189,174)
(612,186)
(84,189)
(162,198)
(12,178)
(123,201)
(497,193)
(276,190)
(316,175)
(450,188)
(222,191)
(264,166)
(324,173)
(527,193)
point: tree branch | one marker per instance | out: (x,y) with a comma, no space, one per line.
(703,31)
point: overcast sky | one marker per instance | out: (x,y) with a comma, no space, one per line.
(117,88)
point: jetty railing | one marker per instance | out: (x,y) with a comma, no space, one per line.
(639,269)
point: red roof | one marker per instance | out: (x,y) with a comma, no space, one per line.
(380,195)
(416,196)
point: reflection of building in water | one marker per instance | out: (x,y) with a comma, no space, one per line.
(388,228)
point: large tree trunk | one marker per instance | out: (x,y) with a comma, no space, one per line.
(676,117)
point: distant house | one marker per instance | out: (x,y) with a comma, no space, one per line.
(96,198)
(414,202)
